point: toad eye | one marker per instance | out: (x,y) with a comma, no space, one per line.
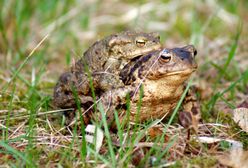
(165,56)
(140,42)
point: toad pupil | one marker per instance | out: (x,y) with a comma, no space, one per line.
(165,55)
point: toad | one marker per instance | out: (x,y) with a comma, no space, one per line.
(160,77)
(101,65)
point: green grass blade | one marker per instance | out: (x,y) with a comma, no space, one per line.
(98,155)
(25,62)
(232,50)
(107,134)
(15,152)
(169,145)
(179,103)
(214,99)
(119,129)
(83,143)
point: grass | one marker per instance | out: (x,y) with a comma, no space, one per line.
(41,39)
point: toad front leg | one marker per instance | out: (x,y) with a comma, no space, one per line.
(113,99)
(190,116)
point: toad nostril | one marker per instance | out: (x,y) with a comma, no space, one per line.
(195,52)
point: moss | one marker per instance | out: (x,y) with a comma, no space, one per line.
(178,164)
(203,162)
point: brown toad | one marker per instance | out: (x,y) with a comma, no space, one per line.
(117,49)
(102,63)
(161,75)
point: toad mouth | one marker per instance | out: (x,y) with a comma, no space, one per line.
(184,72)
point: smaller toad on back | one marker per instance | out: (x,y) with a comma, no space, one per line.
(104,59)
(115,50)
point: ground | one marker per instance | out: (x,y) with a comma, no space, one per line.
(41,39)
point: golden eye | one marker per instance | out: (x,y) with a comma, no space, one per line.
(165,56)
(140,42)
